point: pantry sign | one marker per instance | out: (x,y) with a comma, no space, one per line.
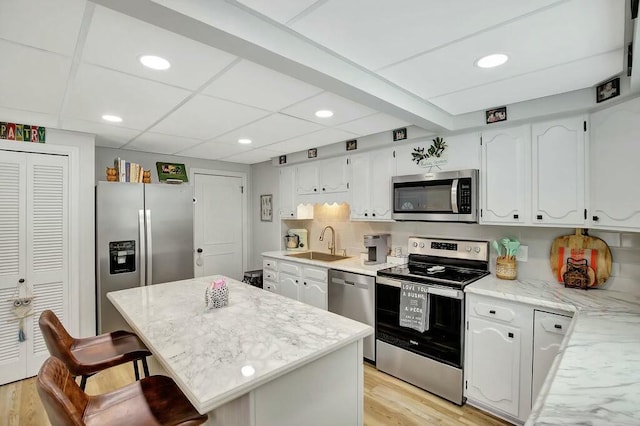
(22,132)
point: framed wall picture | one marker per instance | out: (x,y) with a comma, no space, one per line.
(497,114)
(171,172)
(607,90)
(266,208)
(399,134)
(282,159)
(352,145)
(312,153)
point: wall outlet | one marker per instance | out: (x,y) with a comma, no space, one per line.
(523,253)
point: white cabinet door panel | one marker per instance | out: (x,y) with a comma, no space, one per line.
(333,175)
(548,332)
(360,189)
(314,293)
(494,365)
(307,179)
(383,167)
(504,175)
(289,286)
(558,151)
(615,194)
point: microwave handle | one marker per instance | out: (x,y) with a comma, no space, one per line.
(454,196)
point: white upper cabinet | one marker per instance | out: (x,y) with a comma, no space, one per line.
(558,172)
(289,208)
(615,194)
(323,176)
(504,176)
(371,174)
(462,152)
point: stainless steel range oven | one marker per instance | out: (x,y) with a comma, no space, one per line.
(429,356)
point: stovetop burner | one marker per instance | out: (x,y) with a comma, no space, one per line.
(452,263)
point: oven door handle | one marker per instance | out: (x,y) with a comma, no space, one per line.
(454,196)
(388,281)
(446,292)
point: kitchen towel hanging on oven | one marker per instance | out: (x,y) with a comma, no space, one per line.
(414,306)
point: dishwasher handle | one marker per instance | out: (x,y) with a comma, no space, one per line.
(355,280)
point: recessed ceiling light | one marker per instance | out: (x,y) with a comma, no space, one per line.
(155,62)
(244,141)
(324,113)
(112,118)
(491,61)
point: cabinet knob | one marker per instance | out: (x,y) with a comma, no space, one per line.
(373,214)
(515,216)
(323,189)
(291,214)
(199,250)
(21,280)
(315,189)
(539,217)
(366,214)
(305,283)
(296,280)
(595,218)
(510,335)
(558,326)
(492,312)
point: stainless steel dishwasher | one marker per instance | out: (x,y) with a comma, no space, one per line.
(353,296)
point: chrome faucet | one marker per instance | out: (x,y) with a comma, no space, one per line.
(332,244)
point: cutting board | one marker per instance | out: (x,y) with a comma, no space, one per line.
(581,240)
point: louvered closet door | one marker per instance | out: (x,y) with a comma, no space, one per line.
(47,247)
(13,354)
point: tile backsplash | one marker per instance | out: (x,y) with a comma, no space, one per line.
(625,247)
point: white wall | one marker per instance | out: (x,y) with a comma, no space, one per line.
(265,236)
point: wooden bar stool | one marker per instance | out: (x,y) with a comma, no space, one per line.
(88,356)
(154,400)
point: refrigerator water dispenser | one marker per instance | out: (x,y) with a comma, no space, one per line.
(122,257)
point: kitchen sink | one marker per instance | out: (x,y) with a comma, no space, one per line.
(318,255)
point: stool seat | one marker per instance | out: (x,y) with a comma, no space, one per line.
(154,400)
(90,355)
(94,354)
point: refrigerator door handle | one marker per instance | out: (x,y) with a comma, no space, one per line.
(141,250)
(149,250)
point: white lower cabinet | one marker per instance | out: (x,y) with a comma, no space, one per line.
(494,368)
(297,281)
(548,332)
(509,349)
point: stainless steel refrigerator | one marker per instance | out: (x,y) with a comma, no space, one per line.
(144,236)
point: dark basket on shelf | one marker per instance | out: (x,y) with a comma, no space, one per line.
(577,274)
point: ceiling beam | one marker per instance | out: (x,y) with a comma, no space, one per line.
(236,30)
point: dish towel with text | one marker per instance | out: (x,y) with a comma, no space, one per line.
(414,306)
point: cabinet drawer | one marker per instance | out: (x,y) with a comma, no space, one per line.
(552,323)
(270,264)
(290,268)
(494,311)
(316,274)
(269,286)
(270,275)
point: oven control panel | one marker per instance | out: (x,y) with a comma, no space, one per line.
(460,249)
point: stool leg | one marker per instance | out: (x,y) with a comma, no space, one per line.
(145,367)
(135,369)
(83,382)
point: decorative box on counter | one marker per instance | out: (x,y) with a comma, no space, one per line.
(217,294)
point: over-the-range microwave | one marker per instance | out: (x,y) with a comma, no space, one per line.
(450,196)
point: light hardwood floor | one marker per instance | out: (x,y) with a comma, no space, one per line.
(387,402)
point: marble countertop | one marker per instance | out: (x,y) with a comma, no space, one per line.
(352,264)
(595,380)
(218,355)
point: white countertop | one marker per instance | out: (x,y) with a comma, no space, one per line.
(352,264)
(207,352)
(595,380)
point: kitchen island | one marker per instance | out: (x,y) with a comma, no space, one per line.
(262,360)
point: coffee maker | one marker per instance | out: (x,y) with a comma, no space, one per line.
(378,248)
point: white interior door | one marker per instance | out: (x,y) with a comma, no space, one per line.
(13,166)
(219,225)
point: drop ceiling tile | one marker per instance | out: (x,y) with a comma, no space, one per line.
(117,41)
(252,84)
(109,135)
(383,32)
(563,78)
(274,128)
(343,109)
(213,150)
(281,10)
(97,91)
(161,144)
(452,69)
(32,79)
(28,117)
(204,117)
(253,156)
(371,124)
(45,24)
(312,140)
